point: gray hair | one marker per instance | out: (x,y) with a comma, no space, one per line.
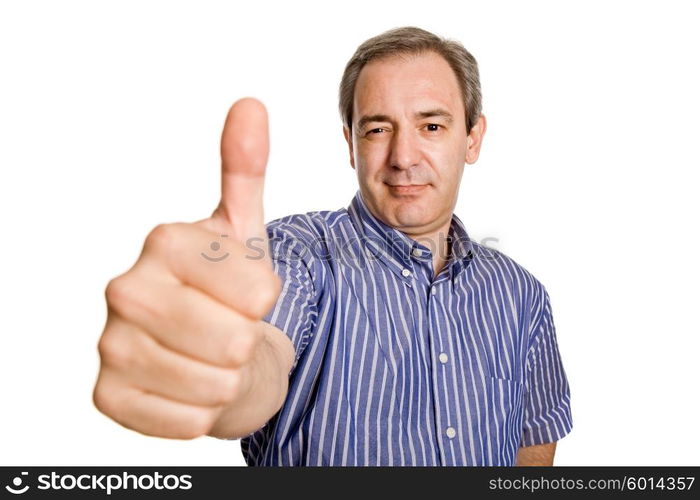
(410,40)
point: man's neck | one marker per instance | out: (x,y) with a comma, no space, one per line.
(438,243)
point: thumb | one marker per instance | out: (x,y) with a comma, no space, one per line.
(244,152)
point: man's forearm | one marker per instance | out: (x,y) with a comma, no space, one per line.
(266,381)
(536,455)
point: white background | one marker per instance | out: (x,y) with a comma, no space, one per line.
(110,115)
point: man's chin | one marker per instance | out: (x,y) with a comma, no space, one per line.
(409,212)
(405,210)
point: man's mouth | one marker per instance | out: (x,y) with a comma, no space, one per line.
(406,188)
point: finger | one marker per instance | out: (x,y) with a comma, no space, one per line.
(149,413)
(233,274)
(244,153)
(185,320)
(148,365)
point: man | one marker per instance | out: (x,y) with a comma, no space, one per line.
(379,334)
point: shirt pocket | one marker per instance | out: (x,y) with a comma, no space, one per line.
(504,419)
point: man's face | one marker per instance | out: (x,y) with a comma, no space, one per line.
(409,141)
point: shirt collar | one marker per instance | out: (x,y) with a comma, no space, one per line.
(400,251)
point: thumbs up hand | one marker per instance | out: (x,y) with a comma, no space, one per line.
(184,345)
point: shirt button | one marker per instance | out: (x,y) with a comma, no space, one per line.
(433,290)
(417,252)
(443,358)
(451,432)
(406,273)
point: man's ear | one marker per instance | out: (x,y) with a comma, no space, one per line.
(475,139)
(348,138)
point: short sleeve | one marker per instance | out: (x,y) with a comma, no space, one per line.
(547,409)
(296,309)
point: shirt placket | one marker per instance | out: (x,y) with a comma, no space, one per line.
(442,367)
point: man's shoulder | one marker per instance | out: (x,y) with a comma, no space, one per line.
(502,272)
(315,229)
(316,222)
(501,265)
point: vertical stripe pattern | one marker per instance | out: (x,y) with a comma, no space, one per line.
(395,366)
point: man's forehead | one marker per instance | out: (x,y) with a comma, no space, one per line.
(422,83)
(428,69)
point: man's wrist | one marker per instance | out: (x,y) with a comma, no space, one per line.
(263,389)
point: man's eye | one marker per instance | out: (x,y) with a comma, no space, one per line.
(434,126)
(375,130)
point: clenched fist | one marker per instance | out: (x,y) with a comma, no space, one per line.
(184,352)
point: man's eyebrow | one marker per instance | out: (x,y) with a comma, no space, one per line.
(430,113)
(435,112)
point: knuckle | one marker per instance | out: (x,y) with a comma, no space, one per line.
(245,347)
(127,295)
(232,353)
(242,346)
(160,239)
(108,399)
(118,290)
(114,351)
(199,424)
(101,398)
(108,349)
(225,388)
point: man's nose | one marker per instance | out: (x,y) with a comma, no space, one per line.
(405,151)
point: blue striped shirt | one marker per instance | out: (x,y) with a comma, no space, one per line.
(396,366)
